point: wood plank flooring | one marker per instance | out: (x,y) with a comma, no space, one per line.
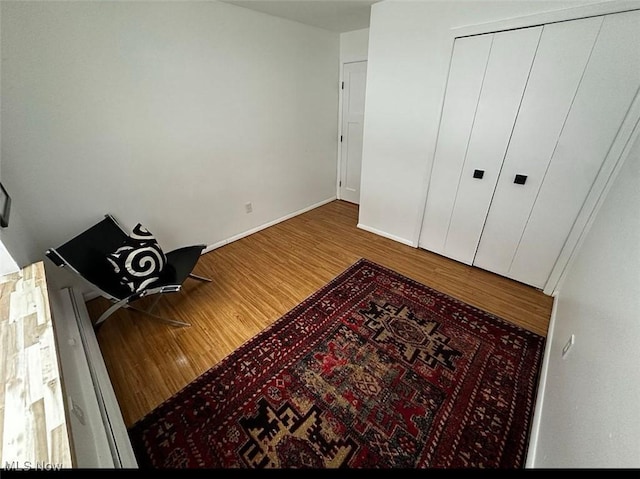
(259,278)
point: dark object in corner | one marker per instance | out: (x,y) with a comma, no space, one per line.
(5,206)
(87,255)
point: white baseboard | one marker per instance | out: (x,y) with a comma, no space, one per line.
(266,225)
(537,414)
(386,235)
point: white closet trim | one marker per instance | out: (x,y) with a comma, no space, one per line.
(572,13)
(628,134)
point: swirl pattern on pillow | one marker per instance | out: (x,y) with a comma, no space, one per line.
(139,261)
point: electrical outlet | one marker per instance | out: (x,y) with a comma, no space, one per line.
(567,346)
(248,207)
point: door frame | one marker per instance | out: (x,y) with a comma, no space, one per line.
(628,133)
(352,59)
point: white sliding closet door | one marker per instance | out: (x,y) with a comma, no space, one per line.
(513,172)
(466,73)
(560,61)
(609,86)
(505,79)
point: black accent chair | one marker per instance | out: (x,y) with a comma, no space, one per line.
(86,256)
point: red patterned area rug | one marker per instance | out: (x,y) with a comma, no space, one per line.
(372,371)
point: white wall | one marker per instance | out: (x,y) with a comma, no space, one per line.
(174,114)
(354,46)
(14,237)
(18,240)
(590,415)
(409,51)
(7,263)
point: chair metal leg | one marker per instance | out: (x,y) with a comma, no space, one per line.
(199,278)
(124,303)
(166,320)
(155,302)
(112,309)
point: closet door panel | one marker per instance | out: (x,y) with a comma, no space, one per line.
(509,65)
(560,61)
(468,64)
(610,83)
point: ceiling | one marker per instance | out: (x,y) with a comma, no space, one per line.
(335,15)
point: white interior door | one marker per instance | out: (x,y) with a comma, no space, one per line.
(354,76)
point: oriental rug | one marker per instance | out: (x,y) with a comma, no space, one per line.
(374,370)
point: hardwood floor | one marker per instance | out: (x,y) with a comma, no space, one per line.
(259,278)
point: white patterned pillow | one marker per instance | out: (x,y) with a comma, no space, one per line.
(139,261)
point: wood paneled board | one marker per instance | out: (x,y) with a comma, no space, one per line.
(33,424)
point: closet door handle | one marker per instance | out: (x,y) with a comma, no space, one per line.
(478,174)
(520,179)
